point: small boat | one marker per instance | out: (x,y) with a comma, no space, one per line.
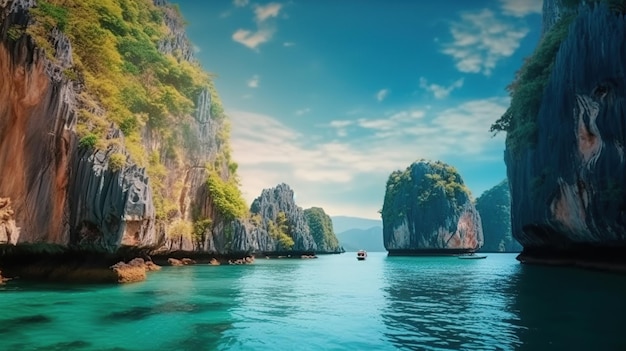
(361,255)
(471,256)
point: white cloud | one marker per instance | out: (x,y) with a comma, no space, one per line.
(440,92)
(288,44)
(264,12)
(382,94)
(303,111)
(340,123)
(519,8)
(240,3)
(252,40)
(340,127)
(480,40)
(254,81)
(320,171)
(264,31)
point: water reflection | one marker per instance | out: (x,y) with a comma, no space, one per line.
(570,309)
(442,303)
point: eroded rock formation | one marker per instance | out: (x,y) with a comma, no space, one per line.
(427,209)
(568,187)
(277,205)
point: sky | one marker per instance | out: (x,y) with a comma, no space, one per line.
(331,96)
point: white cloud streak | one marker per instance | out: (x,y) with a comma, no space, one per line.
(382,94)
(518,8)
(439,91)
(262,13)
(480,40)
(303,111)
(240,3)
(254,81)
(253,40)
(264,31)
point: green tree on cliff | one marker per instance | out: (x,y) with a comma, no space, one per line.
(321,228)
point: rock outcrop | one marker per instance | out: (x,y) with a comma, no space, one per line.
(277,214)
(567,186)
(321,228)
(81,171)
(8,230)
(494,207)
(36,132)
(428,210)
(110,207)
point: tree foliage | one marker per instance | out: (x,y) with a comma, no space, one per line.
(226,197)
(321,228)
(281,232)
(421,184)
(115,54)
(130,83)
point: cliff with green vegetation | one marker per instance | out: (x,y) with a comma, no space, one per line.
(494,206)
(428,209)
(321,228)
(565,138)
(280,225)
(111,134)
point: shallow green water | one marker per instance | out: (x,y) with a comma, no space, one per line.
(330,303)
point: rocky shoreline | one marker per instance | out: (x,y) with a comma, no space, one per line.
(55,263)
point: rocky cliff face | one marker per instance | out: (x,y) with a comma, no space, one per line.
(427,209)
(55,189)
(494,206)
(275,203)
(567,188)
(36,138)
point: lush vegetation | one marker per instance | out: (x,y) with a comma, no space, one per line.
(117,161)
(280,231)
(519,121)
(321,228)
(180,228)
(398,183)
(226,197)
(527,89)
(149,95)
(441,177)
(435,179)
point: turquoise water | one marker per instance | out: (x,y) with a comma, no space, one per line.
(331,303)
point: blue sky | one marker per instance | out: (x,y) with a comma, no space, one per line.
(331,96)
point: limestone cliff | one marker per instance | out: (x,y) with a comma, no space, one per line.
(109,129)
(276,213)
(494,207)
(428,209)
(567,175)
(321,228)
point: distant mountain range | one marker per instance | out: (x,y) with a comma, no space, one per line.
(356,233)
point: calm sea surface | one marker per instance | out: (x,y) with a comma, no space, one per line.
(330,303)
